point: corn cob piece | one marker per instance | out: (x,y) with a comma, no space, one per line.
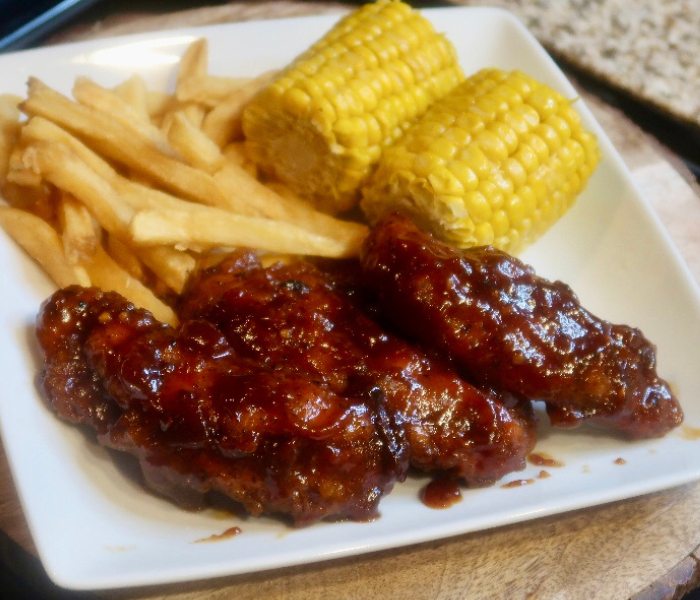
(497,161)
(321,124)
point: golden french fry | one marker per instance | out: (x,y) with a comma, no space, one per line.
(88,93)
(106,274)
(133,91)
(123,145)
(125,257)
(38,129)
(19,174)
(194,61)
(237,181)
(172,266)
(208,227)
(209,90)
(150,169)
(194,147)
(260,200)
(79,233)
(134,193)
(9,129)
(157,104)
(193,112)
(61,166)
(167,120)
(41,241)
(236,153)
(138,196)
(349,231)
(19,196)
(223,122)
(9,112)
(267,260)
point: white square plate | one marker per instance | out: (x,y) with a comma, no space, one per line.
(95,528)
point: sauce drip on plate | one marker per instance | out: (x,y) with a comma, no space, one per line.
(441,493)
(217,537)
(542,459)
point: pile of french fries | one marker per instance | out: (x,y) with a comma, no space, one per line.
(126,188)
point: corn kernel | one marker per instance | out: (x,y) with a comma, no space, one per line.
(560,126)
(465,174)
(443,147)
(473,156)
(426,162)
(537,145)
(549,136)
(442,181)
(500,223)
(458,136)
(492,146)
(297,101)
(569,114)
(352,132)
(505,133)
(527,157)
(477,206)
(544,102)
(515,210)
(374,131)
(484,234)
(493,192)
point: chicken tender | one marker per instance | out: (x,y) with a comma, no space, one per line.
(506,328)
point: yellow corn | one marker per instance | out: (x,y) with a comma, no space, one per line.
(497,161)
(321,125)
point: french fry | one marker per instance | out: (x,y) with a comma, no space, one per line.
(195,113)
(171,266)
(125,257)
(9,129)
(236,180)
(88,93)
(262,201)
(19,174)
(42,243)
(123,145)
(106,274)
(242,193)
(195,147)
(38,129)
(19,196)
(235,152)
(351,232)
(209,90)
(193,62)
(126,185)
(134,92)
(61,166)
(79,233)
(267,260)
(223,122)
(208,227)
(134,193)
(157,104)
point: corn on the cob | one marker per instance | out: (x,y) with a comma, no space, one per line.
(497,161)
(321,124)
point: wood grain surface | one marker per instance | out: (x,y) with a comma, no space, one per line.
(642,548)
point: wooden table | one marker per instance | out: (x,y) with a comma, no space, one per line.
(644,548)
